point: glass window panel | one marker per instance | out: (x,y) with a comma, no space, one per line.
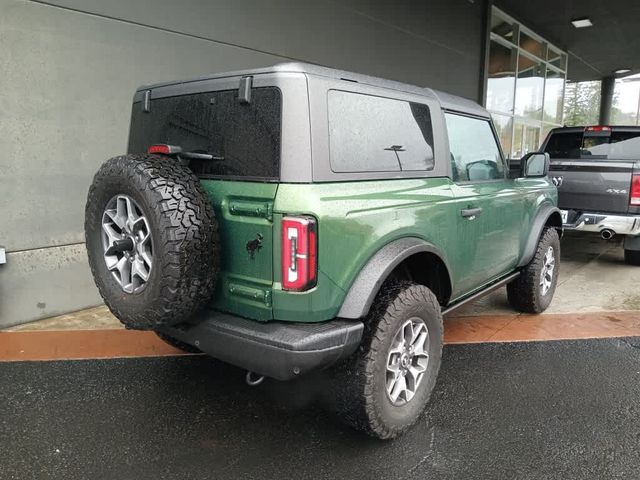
(545,132)
(504,128)
(474,152)
(245,137)
(526,138)
(501,78)
(502,28)
(516,149)
(529,88)
(531,45)
(368,133)
(531,139)
(557,58)
(553,90)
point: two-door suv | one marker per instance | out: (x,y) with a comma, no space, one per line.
(293,218)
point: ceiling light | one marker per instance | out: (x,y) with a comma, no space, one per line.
(581,23)
(622,70)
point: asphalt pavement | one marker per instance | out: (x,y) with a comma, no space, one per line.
(561,409)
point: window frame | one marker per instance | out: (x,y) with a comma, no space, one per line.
(495,139)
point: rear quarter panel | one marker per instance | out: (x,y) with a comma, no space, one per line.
(355,220)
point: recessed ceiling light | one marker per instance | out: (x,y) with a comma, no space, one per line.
(622,70)
(581,23)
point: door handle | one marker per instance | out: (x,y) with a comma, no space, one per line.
(471,213)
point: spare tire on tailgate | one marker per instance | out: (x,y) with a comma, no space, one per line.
(152,240)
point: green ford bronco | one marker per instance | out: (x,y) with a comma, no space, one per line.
(294,218)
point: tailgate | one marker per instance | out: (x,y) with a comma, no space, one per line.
(244,211)
(595,186)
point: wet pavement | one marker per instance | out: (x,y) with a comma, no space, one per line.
(563,409)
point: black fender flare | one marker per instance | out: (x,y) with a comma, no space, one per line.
(365,287)
(544,214)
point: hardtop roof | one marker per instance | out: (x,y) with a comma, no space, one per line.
(446,100)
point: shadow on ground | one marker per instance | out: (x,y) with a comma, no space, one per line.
(531,410)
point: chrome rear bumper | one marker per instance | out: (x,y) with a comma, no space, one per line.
(602,222)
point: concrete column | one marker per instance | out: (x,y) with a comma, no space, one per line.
(606,99)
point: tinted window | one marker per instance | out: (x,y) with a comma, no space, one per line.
(374,134)
(245,136)
(475,155)
(578,145)
(564,145)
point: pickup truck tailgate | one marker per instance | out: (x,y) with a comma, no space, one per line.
(593,185)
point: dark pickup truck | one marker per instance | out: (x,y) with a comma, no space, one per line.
(597,172)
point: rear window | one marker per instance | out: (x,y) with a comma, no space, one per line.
(596,146)
(375,134)
(245,137)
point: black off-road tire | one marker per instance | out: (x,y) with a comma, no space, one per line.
(525,292)
(174,342)
(360,389)
(184,237)
(632,257)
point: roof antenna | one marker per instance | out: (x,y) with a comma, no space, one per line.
(244,91)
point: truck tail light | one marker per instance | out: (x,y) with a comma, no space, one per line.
(598,128)
(634,198)
(299,253)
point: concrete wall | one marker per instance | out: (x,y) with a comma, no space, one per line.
(69,68)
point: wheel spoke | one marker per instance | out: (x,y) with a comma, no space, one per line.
(414,375)
(124,269)
(408,333)
(399,387)
(112,235)
(116,218)
(138,269)
(121,212)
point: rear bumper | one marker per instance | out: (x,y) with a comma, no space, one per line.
(599,222)
(280,350)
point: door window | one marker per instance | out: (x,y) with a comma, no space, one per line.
(475,155)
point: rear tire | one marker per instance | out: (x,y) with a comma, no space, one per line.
(533,290)
(632,257)
(181,263)
(376,375)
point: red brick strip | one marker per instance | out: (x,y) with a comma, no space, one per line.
(81,344)
(114,343)
(523,328)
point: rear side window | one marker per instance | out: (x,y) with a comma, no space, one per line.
(244,137)
(475,155)
(375,134)
(597,146)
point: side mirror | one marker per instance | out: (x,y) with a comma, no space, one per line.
(535,164)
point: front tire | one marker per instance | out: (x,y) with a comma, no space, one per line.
(533,290)
(386,385)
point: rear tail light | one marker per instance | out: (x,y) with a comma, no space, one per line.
(164,149)
(299,253)
(634,198)
(598,128)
